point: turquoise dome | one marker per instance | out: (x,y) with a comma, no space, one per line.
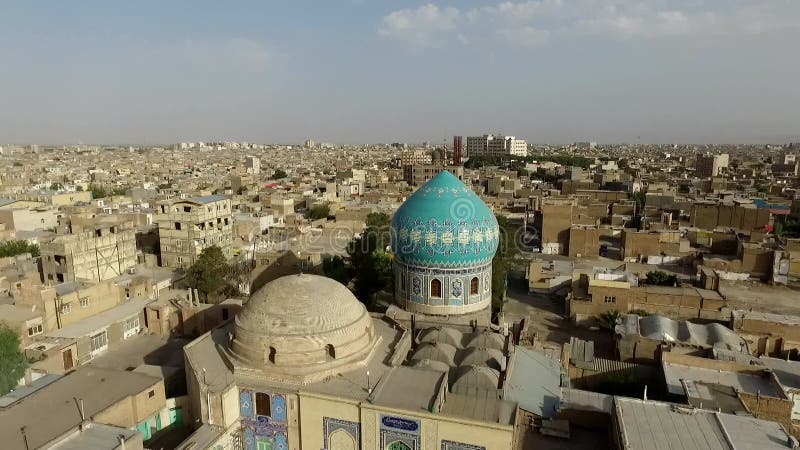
(444,225)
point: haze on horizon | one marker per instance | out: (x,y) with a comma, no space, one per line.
(358,71)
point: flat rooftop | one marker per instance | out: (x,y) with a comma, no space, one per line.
(751,383)
(95,436)
(91,324)
(656,425)
(98,388)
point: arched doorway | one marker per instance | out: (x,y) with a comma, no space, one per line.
(341,440)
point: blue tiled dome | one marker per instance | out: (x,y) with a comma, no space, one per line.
(444,224)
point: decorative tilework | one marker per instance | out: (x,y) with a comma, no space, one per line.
(444,224)
(458,288)
(279,408)
(246,403)
(329,425)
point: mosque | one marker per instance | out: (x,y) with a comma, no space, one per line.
(305,366)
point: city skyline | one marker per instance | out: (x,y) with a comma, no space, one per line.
(360,72)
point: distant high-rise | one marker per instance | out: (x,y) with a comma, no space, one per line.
(708,165)
(457,149)
(490,145)
(253,165)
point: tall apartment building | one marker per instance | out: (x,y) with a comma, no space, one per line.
(99,253)
(253,165)
(708,165)
(420,174)
(490,145)
(188,226)
(415,156)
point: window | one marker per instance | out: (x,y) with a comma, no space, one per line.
(84,302)
(130,327)
(151,394)
(224,313)
(177,225)
(331,351)
(403,282)
(610,299)
(436,288)
(187,209)
(99,342)
(263,404)
(98,233)
(473,286)
(66,308)
(34,330)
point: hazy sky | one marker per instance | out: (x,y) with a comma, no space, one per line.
(382,71)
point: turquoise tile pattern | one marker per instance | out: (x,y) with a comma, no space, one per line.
(444,224)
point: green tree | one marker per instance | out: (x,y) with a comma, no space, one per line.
(14,248)
(79,188)
(12,360)
(371,264)
(319,212)
(378,220)
(56,186)
(661,278)
(278,174)
(609,319)
(507,250)
(334,267)
(119,191)
(209,274)
(97,191)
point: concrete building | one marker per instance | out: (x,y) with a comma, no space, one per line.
(188,226)
(27,216)
(417,156)
(100,254)
(26,321)
(605,290)
(490,145)
(419,174)
(70,302)
(768,334)
(118,398)
(253,165)
(557,220)
(707,166)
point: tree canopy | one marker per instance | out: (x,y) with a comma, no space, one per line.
(12,361)
(334,267)
(318,212)
(661,278)
(278,174)
(209,274)
(14,248)
(507,250)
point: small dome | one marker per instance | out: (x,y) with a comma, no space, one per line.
(471,379)
(434,351)
(443,335)
(302,325)
(444,224)
(486,339)
(488,357)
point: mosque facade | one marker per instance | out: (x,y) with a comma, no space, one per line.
(305,366)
